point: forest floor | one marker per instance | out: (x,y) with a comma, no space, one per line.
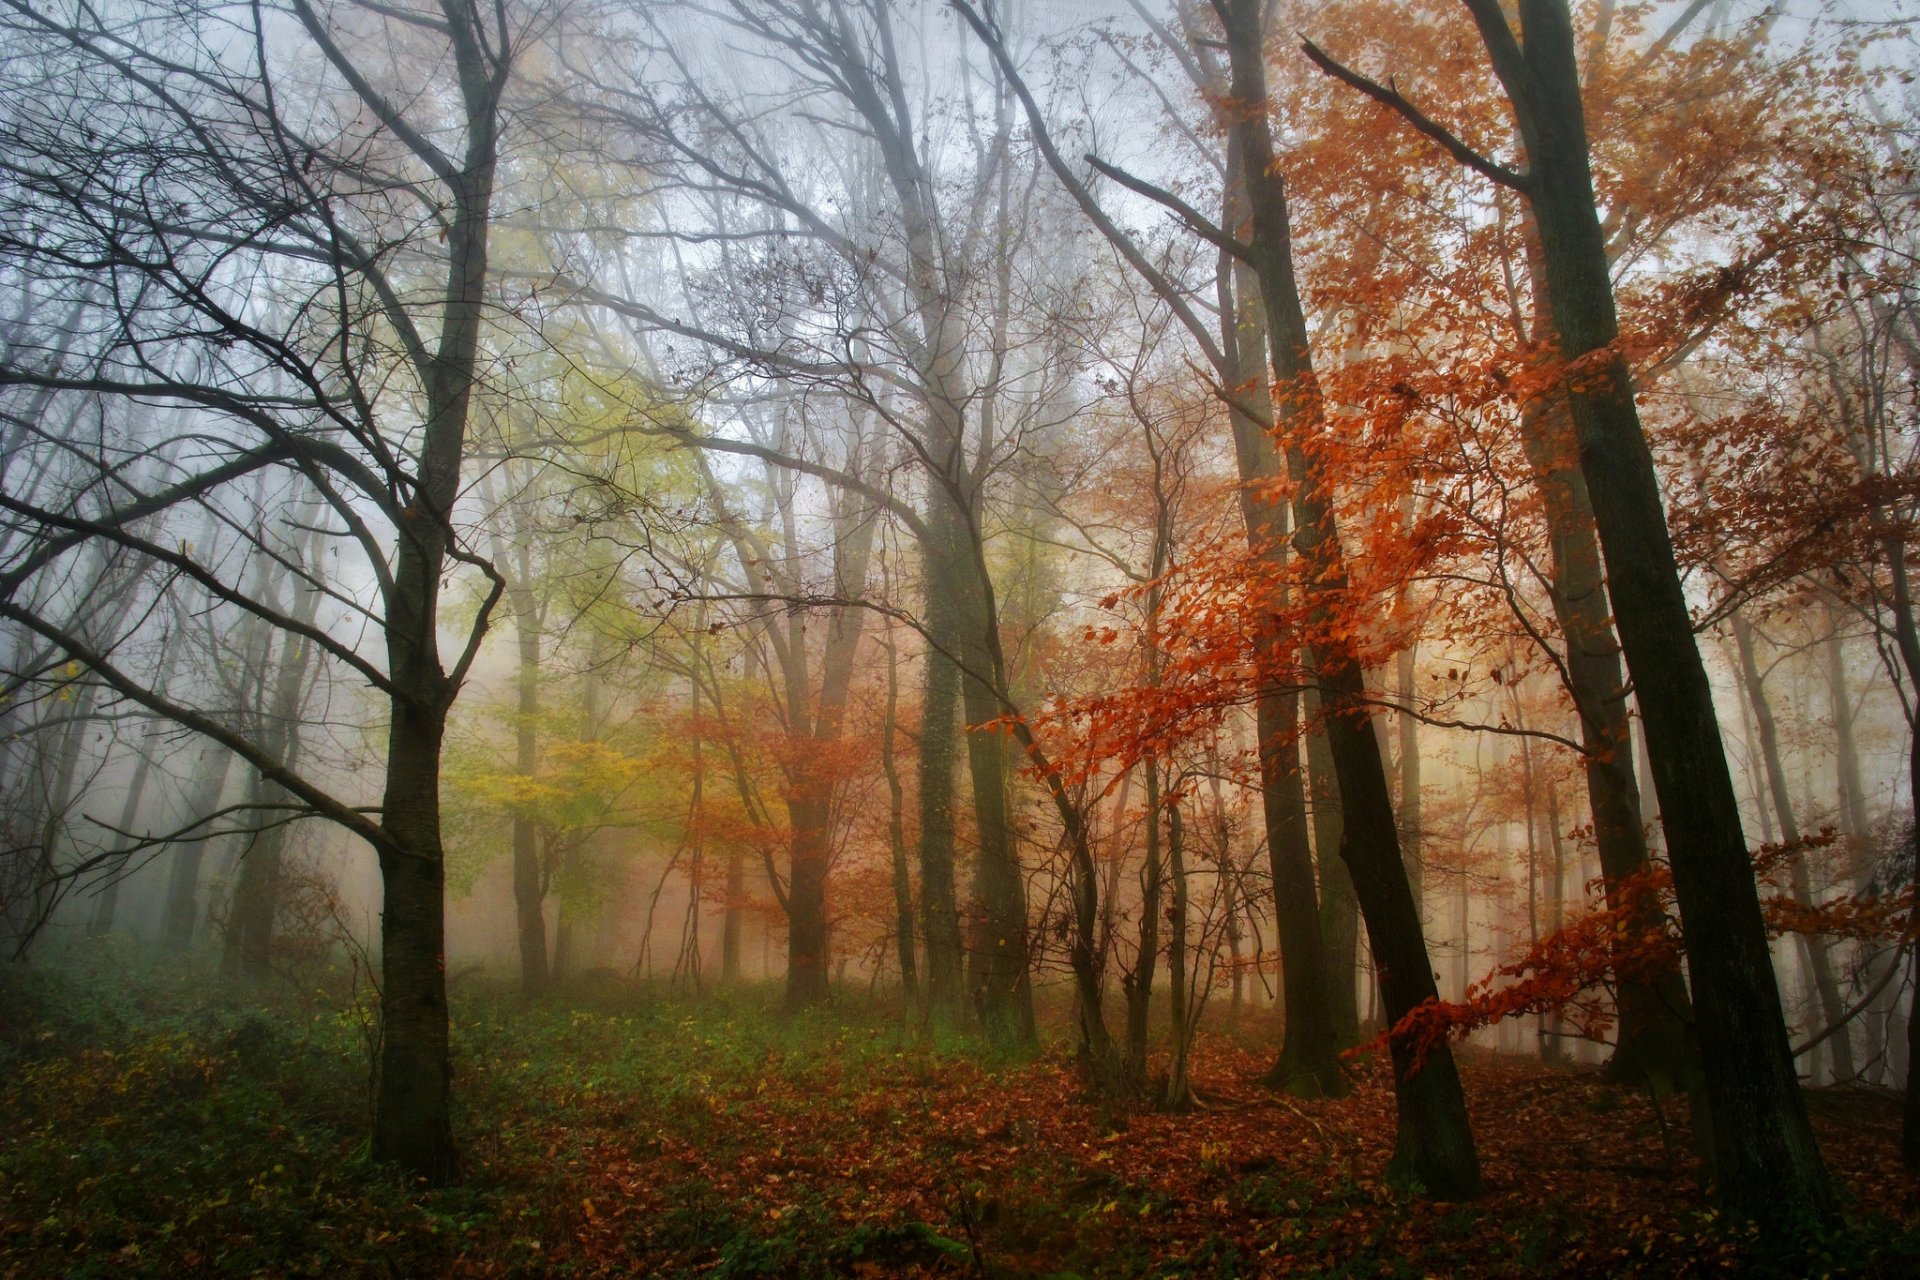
(144,1133)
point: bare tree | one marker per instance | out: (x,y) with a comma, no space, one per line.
(288,241)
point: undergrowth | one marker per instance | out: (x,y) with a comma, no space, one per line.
(146,1132)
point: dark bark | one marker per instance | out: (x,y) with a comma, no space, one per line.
(1760,1134)
(1178,1095)
(1339,911)
(1655,1045)
(1139,983)
(1308,1063)
(1434,1146)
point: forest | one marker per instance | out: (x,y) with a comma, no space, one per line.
(991,638)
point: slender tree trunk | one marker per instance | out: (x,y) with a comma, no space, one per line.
(529,878)
(1139,984)
(1852,795)
(896,834)
(1179,1093)
(1434,1146)
(182,913)
(1813,949)
(733,919)
(1308,1063)
(108,904)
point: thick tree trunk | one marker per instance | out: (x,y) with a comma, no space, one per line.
(1339,911)
(939,736)
(1654,1044)
(412,1122)
(809,953)
(997,975)
(1434,1146)
(1761,1137)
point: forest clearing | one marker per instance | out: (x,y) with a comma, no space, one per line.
(959,637)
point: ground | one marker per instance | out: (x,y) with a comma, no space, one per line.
(626,1133)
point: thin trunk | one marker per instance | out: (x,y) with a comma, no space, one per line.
(1179,1093)
(106,906)
(529,878)
(1813,949)
(896,834)
(1553,1048)
(1408,760)
(1852,795)
(1434,1146)
(182,914)
(732,920)
(1139,983)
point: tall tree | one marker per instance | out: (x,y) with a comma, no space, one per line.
(1762,1143)
(213,147)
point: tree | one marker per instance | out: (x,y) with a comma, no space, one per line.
(1762,1142)
(1434,1145)
(163,161)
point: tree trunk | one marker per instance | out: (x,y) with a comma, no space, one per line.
(412,1124)
(733,919)
(529,878)
(182,913)
(1852,794)
(1654,1044)
(939,717)
(1179,1093)
(896,834)
(107,907)
(810,810)
(1308,1063)
(1434,1146)
(1339,911)
(1761,1136)
(1813,949)
(1139,983)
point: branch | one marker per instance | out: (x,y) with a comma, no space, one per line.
(1390,97)
(271,770)
(1196,221)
